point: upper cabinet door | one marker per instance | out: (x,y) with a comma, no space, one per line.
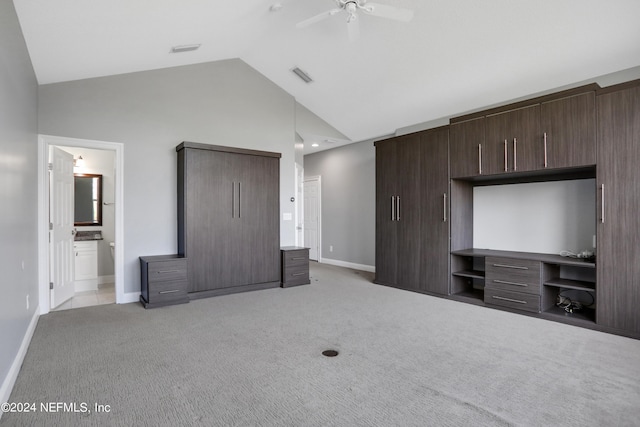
(569,131)
(514,141)
(466,145)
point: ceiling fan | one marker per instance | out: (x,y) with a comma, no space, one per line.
(353,7)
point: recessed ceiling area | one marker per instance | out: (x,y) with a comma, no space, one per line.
(452,57)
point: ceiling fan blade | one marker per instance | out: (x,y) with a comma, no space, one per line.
(317,18)
(353,27)
(390,12)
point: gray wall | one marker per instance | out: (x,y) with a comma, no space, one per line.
(222,103)
(348,201)
(18,188)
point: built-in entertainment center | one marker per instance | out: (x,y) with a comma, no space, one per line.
(530,207)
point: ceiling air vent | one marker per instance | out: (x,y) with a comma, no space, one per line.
(184,48)
(304,76)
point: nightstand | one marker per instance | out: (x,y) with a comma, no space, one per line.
(163,280)
(295,266)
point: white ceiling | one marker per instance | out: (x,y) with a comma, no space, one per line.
(454,56)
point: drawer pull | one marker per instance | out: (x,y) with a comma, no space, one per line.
(169,292)
(509,299)
(299,274)
(168,271)
(517,267)
(504,282)
(299,258)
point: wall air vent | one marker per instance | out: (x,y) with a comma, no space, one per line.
(184,48)
(304,76)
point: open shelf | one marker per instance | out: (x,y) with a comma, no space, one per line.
(472,274)
(584,315)
(578,285)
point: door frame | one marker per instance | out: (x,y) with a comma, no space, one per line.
(317,178)
(44,141)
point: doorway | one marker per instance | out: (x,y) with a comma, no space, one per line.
(107,285)
(312,217)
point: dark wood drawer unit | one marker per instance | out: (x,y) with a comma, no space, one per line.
(513,283)
(295,266)
(517,300)
(163,280)
(515,275)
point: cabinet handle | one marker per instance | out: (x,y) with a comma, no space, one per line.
(602,203)
(169,292)
(444,207)
(168,271)
(509,299)
(545,150)
(239,200)
(517,267)
(299,274)
(233,199)
(505,156)
(398,208)
(515,154)
(504,282)
(479,159)
(393,208)
(299,258)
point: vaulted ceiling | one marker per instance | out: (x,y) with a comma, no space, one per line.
(453,56)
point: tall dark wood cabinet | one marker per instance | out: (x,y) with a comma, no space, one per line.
(228,218)
(618,229)
(411,208)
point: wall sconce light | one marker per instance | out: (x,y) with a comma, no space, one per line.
(79,162)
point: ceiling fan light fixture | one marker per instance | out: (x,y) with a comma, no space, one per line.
(185,48)
(303,76)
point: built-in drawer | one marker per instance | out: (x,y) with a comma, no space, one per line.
(517,300)
(162,271)
(513,275)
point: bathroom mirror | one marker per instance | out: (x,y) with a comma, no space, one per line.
(87,199)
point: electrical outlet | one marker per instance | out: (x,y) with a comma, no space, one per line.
(27,301)
(330,248)
(22,264)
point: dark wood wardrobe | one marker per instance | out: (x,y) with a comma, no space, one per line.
(228,218)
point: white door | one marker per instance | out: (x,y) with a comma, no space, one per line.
(312,217)
(61,264)
(299,205)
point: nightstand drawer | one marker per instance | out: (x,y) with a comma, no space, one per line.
(517,300)
(296,275)
(167,291)
(295,257)
(161,271)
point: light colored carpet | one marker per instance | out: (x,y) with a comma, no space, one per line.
(254,359)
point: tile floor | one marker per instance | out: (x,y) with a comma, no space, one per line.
(106,294)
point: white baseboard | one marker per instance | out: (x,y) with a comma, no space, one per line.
(361,267)
(130,297)
(106,279)
(85,285)
(12,375)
